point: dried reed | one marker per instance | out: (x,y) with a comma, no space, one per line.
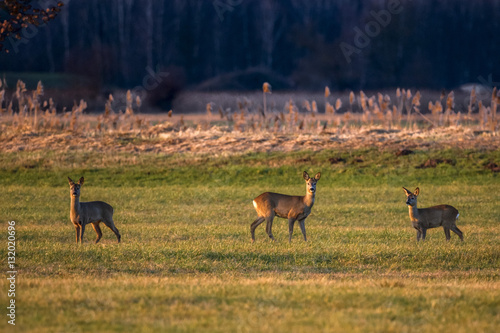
(24,110)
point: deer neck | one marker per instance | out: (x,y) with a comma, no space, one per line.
(75,206)
(309,199)
(413,210)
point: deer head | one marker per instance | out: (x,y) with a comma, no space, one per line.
(75,187)
(311,182)
(411,198)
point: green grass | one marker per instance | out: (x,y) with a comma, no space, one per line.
(186,262)
(368,167)
(49,80)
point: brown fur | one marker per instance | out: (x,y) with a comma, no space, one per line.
(294,208)
(432,217)
(94,212)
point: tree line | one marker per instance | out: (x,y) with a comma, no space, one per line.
(300,44)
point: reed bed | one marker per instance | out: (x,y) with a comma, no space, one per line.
(24,111)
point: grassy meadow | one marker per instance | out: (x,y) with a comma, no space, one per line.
(186,262)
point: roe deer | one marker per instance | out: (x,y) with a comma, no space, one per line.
(432,217)
(293,208)
(83,213)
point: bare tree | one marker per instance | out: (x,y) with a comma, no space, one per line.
(20,14)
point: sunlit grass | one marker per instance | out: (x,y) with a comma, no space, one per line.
(265,303)
(186,262)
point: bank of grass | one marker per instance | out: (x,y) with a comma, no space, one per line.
(359,167)
(186,262)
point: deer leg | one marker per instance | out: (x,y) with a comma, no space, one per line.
(291,222)
(98,231)
(419,235)
(424,232)
(82,230)
(77,228)
(447,233)
(302,224)
(111,225)
(269,226)
(458,232)
(254,225)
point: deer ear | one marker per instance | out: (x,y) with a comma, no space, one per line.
(70,181)
(417,191)
(406,191)
(81,181)
(306,175)
(318,176)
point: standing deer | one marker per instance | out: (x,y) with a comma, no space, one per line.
(293,208)
(432,217)
(83,213)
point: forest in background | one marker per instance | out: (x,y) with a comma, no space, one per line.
(237,44)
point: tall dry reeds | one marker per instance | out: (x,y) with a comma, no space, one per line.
(22,109)
(266,89)
(26,111)
(378,110)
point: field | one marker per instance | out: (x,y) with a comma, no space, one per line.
(186,262)
(182,189)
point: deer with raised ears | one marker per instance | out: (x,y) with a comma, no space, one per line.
(94,212)
(293,208)
(432,217)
